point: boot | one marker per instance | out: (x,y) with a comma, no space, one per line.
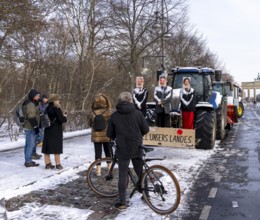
(98,172)
(108,166)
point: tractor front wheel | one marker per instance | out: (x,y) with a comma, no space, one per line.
(205,126)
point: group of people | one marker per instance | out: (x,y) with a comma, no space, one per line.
(127,125)
(50,137)
(163,98)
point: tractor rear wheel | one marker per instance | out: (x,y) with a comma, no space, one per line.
(205,126)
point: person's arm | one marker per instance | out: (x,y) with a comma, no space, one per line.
(111,130)
(155,96)
(144,100)
(60,116)
(168,96)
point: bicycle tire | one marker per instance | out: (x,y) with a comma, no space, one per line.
(158,184)
(99,184)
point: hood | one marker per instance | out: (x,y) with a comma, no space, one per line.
(54,97)
(101,101)
(125,107)
(32,94)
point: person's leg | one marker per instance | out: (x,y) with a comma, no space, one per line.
(47,161)
(98,155)
(98,150)
(159,119)
(57,161)
(40,138)
(107,150)
(122,181)
(190,120)
(47,158)
(166,120)
(29,145)
(138,167)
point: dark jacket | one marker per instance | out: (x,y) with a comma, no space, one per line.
(140,96)
(187,99)
(127,125)
(31,111)
(52,142)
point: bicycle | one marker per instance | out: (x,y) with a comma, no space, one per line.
(159,187)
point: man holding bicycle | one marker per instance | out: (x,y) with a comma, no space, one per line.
(128,126)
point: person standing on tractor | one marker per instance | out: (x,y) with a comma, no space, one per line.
(187,104)
(140,95)
(162,98)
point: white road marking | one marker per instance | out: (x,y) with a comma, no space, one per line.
(205,212)
(213,192)
(218,178)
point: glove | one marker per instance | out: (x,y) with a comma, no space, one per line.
(36,130)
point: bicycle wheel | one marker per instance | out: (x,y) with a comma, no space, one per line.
(102,185)
(161,189)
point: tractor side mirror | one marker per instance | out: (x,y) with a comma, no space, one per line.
(218,75)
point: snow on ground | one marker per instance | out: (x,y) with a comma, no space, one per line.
(16,180)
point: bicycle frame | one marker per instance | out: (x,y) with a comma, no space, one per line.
(130,173)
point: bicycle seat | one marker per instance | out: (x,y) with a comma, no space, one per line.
(147,149)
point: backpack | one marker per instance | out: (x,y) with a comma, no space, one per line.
(45,120)
(19,115)
(99,122)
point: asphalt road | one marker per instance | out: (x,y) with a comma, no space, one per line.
(228,187)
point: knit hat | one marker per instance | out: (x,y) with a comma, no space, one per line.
(33,93)
(54,97)
(44,96)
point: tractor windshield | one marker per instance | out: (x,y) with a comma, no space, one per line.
(201,83)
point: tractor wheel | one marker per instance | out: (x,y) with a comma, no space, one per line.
(240,110)
(205,129)
(221,122)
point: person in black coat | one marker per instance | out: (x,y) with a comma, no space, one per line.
(127,126)
(187,96)
(53,135)
(140,95)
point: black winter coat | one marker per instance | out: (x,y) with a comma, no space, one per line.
(187,99)
(127,125)
(53,137)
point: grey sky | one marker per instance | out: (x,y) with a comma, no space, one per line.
(232,31)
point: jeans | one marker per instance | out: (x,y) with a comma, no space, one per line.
(30,145)
(41,135)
